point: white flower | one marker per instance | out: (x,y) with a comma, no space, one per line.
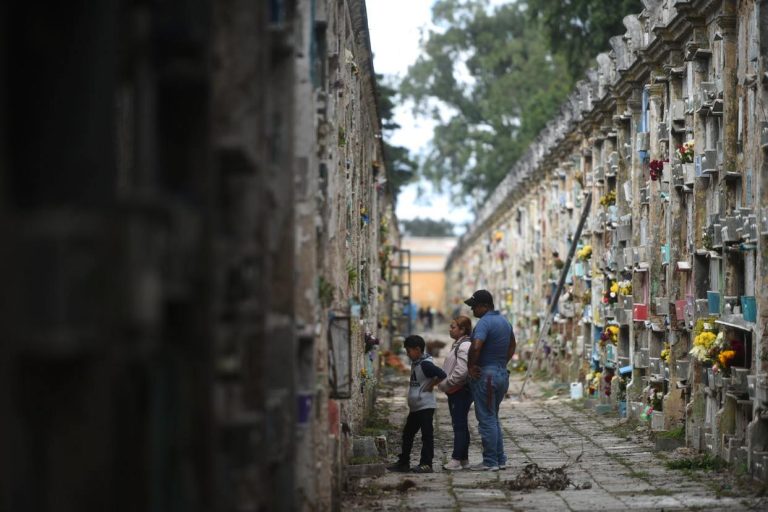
(699,353)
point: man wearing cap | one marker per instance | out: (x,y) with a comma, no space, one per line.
(493,344)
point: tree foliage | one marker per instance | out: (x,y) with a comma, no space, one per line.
(580,29)
(427,227)
(400,166)
(493,77)
(489,79)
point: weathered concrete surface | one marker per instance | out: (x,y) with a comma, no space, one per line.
(621,467)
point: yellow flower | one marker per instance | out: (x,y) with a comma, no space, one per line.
(705,340)
(615,287)
(584,253)
(665,353)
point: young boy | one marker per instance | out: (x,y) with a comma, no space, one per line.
(421,402)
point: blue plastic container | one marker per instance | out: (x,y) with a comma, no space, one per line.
(713,301)
(749,308)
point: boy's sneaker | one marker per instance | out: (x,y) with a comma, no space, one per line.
(422,468)
(454,465)
(482,467)
(465,464)
(399,467)
(503,466)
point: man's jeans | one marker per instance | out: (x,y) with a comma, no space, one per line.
(488,391)
(459,404)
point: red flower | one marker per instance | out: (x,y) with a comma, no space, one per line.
(656,167)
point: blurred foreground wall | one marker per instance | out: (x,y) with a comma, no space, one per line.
(189,191)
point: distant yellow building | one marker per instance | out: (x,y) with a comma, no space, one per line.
(428,255)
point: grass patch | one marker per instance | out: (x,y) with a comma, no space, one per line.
(675,433)
(660,492)
(704,462)
(638,474)
(378,422)
(548,393)
(355,461)
(625,428)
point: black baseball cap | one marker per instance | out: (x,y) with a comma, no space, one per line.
(480,297)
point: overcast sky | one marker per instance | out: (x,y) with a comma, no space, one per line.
(395,27)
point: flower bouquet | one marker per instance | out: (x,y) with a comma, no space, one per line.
(625,287)
(704,348)
(608,199)
(685,152)
(611,295)
(610,335)
(584,253)
(656,167)
(665,353)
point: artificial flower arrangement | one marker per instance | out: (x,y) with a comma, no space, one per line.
(593,382)
(584,253)
(656,400)
(710,347)
(621,392)
(665,353)
(608,199)
(611,295)
(704,347)
(625,287)
(610,335)
(656,167)
(371,341)
(685,152)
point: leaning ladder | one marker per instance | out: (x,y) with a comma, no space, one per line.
(556,296)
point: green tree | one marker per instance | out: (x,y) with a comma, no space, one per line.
(488,78)
(427,227)
(401,168)
(580,29)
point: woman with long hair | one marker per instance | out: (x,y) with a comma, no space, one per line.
(459,396)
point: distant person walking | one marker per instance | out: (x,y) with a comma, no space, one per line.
(493,345)
(457,389)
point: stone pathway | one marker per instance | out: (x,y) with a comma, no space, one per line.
(624,472)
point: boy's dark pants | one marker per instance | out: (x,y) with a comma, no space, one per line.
(418,420)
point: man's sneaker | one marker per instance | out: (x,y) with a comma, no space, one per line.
(503,466)
(399,467)
(454,465)
(422,468)
(482,467)
(465,464)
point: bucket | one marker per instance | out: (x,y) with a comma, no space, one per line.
(713,302)
(577,390)
(749,308)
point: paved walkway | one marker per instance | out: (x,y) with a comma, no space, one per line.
(623,471)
